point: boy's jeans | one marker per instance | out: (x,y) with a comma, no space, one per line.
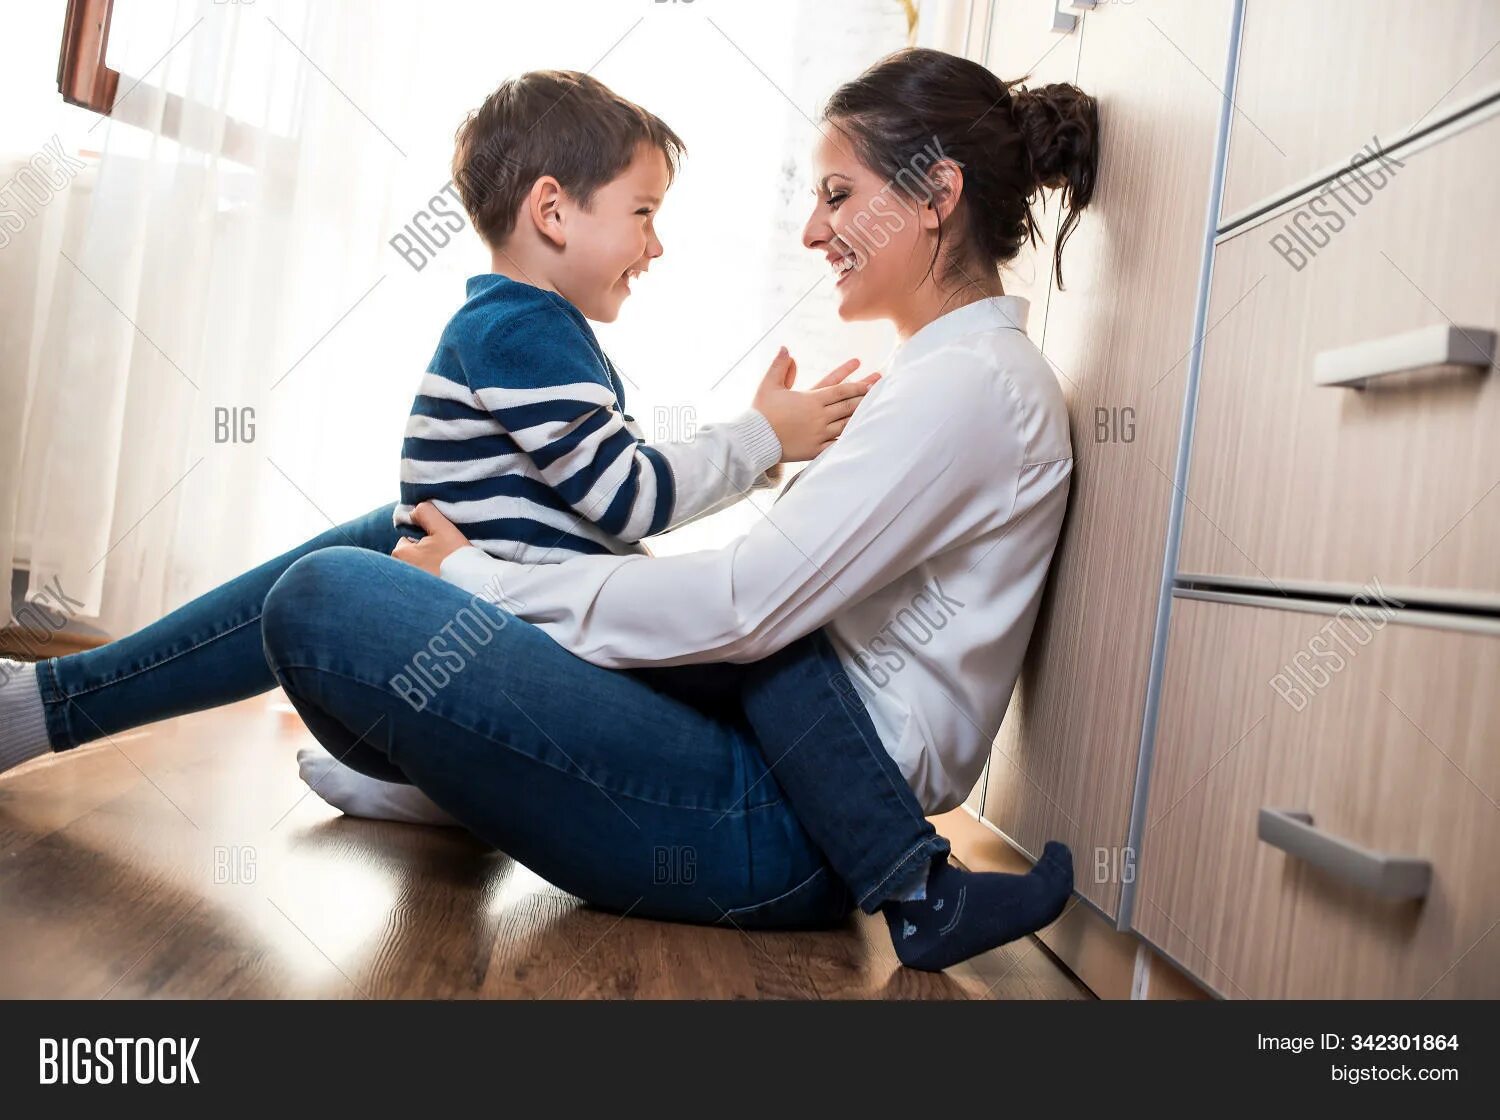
(823,751)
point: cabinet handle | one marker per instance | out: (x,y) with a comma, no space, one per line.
(1388,876)
(1353,367)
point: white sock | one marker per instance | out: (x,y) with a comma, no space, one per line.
(23,720)
(359,795)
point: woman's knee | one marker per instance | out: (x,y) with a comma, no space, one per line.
(353,600)
(304,591)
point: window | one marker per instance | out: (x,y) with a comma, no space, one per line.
(82,76)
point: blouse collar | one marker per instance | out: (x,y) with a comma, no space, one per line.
(990,314)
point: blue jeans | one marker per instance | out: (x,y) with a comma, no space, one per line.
(642,792)
(814,733)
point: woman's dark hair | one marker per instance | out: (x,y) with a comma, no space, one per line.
(1009,141)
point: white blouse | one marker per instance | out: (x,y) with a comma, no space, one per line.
(921,540)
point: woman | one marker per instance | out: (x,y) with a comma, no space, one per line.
(942,502)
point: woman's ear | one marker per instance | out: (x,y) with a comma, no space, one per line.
(945,180)
(545,204)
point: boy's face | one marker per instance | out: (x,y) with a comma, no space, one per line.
(614,239)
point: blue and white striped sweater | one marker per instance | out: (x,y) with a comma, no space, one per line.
(519,436)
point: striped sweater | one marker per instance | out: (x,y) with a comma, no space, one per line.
(519,436)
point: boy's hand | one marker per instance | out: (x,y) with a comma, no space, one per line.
(807,422)
(443,539)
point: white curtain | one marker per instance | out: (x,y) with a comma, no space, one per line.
(209,342)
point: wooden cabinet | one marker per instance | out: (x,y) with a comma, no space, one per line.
(1263,788)
(1321,817)
(1298,483)
(1385,734)
(1317,82)
(1065,761)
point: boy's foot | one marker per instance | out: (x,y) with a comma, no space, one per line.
(968,912)
(358,795)
(23,721)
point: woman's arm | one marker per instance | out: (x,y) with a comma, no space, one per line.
(926,462)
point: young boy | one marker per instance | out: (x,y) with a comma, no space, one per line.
(519,436)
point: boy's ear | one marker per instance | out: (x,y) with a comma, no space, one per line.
(544,204)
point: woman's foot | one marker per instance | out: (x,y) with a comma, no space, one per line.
(358,795)
(966,913)
(23,721)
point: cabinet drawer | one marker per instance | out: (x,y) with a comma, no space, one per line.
(1317,81)
(1393,745)
(1296,482)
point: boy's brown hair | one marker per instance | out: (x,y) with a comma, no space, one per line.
(548,122)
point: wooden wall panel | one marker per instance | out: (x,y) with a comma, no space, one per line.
(1118,336)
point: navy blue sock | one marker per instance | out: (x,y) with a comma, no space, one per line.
(967,913)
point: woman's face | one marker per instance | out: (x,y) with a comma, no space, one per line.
(877,238)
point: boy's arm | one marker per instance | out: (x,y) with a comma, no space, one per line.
(803,424)
(559,407)
(721,465)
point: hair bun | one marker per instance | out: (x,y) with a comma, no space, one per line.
(1060,124)
(1009,141)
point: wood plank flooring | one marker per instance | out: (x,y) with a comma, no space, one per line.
(185,860)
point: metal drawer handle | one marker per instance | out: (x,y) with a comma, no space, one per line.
(1353,367)
(1388,876)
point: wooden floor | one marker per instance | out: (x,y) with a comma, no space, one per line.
(186,860)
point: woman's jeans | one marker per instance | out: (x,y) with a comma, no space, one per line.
(642,792)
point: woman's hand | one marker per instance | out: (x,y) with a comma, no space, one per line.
(807,422)
(443,539)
